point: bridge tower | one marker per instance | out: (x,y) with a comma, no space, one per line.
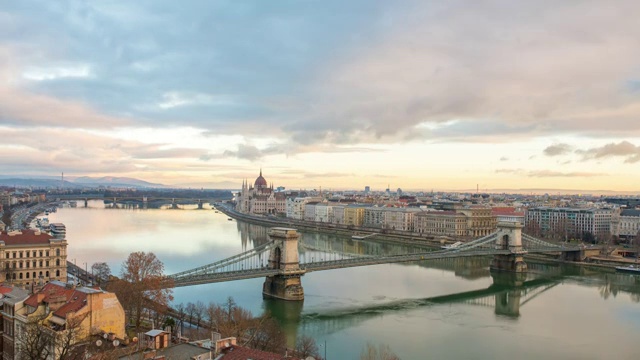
(86,202)
(145,202)
(286,285)
(509,237)
(173,203)
(200,202)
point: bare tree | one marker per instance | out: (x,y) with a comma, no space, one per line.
(181,316)
(101,272)
(143,281)
(190,309)
(38,341)
(382,352)
(199,313)
(306,346)
(35,341)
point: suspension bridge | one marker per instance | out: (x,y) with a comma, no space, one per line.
(284,259)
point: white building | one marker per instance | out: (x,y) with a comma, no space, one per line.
(574,221)
(628,224)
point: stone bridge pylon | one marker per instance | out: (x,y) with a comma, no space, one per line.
(509,237)
(286,285)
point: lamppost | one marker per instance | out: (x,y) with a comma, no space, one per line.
(85,274)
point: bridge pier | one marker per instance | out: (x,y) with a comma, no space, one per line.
(287,284)
(509,237)
(507,303)
(173,204)
(200,204)
(86,202)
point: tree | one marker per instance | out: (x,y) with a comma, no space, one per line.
(39,341)
(143,282)
(306,346)
(382,352)
(101,272)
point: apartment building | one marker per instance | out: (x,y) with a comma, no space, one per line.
(30,256)
(574,221)
(441,223)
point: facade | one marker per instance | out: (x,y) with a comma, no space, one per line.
(11,302)
(324,213)
(260,198)
(62,309)
(399,219)
(310,211)
(338,214)
(508,214)
(374,217)
(441,223)
(28,257)
(572,221)
(354,215)
(628,225)
(480,221)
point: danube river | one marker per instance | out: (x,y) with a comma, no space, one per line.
(450,309)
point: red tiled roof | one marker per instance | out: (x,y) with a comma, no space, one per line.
(4,289)
(74,299)
(28,237)
(235,352)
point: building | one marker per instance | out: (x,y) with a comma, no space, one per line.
(354,215)
(508,214)
(628,224)
(260,198)
(441,223)
(324,213)
(480,221)
(11,302)
(28,257)
(62,310)
(399,218)
(310,211)
(374,217)
(338,214)
(570,221)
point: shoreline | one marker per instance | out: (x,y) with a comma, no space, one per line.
(595,262)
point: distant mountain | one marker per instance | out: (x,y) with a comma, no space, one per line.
(114,181)
(76,183)
(37,183)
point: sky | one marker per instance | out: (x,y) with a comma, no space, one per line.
(418,95)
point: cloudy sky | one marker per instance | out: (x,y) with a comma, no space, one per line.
(340,94)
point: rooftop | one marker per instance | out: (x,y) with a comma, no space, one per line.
(25,237)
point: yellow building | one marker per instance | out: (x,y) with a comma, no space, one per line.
(63,310)
(28,256)
(480,221)
(353,215)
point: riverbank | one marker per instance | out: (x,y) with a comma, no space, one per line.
(336,229)
(593,262)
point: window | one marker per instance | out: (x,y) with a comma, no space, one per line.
(47,262)
(27,275)
(57,262)
(40,263)
(57,272)
(40,253)
(47,253)
(47,274)
(34,253)
(57,252)
(21,254)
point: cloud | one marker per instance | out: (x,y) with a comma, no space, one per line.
(548,173)
(504,158)
(624,149)
(557,149)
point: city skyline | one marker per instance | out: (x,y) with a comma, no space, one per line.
(419,95)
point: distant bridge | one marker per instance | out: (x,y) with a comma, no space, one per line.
(284,260)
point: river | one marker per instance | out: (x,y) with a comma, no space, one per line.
(448,309)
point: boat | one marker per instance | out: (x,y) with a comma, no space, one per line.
(230,219)
(452,246)
(633,269)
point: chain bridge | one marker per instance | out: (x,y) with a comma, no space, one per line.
(284,259)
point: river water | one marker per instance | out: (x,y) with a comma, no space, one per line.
(448,309)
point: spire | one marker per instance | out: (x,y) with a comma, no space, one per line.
(261,171)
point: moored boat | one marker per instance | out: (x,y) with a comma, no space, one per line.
(632,269)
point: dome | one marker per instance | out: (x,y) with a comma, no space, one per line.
(260,181)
